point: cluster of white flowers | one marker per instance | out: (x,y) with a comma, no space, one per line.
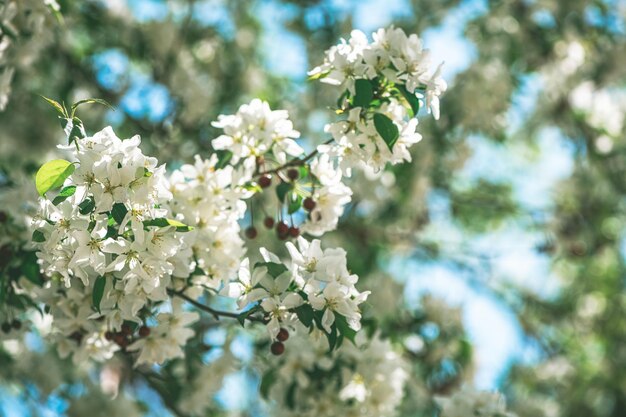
(256,130)
(366,379)
(315,277)
(211,200)
(395,74)
(112,233)
(468,401)
(330,196)
(18,18)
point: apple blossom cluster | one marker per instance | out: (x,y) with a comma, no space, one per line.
(384,83)
(363,380)
(256,130)
(468,401)
(211,199)
(106,242)
(314,287)
(23,23)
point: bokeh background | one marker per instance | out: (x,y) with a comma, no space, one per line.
(512,213)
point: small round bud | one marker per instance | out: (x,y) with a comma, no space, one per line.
(265,181)
(251,232)
(6,327)
(277,348)
(120,340)
(16,324)
(293,174)
(126,329)
(294,231)
(282,228)
(282,335)
(108,335)
(144,331)
(309,204)
(269,222)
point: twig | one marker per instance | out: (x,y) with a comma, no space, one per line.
(214,312)
(294,162)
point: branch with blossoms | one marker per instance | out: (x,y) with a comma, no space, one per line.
(128,248)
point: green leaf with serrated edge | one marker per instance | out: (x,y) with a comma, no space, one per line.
(163,222)
(64,194)
(57,106)
(364,93)
(118,212)
(98,291)
(52,175)
(305,314)
(223,158)
(38,236)
(344,328)
(294,203)
(282,190)
(386,129)
(91,101)
(411,98)
(87,206)
(273,268)
(268,379)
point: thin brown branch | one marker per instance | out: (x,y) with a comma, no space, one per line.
(217,314)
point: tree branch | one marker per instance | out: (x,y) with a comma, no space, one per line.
(217,314)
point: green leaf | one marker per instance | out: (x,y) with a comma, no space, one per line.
(305,314)
(294,203)
(241,318)
(163,222)
(38,236)
(57,106)
(52,175)
(386,129)
(75,130)
(304,171)
(118,212)
(64,194)
(364,93)
(87,206)
(30,269)
(91,101)
(282,190)
(290,397)
(343,327)
(317,76)
(223,158)
(273,268)
(98,291)
(268,379)
(411,98)
(332,338)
